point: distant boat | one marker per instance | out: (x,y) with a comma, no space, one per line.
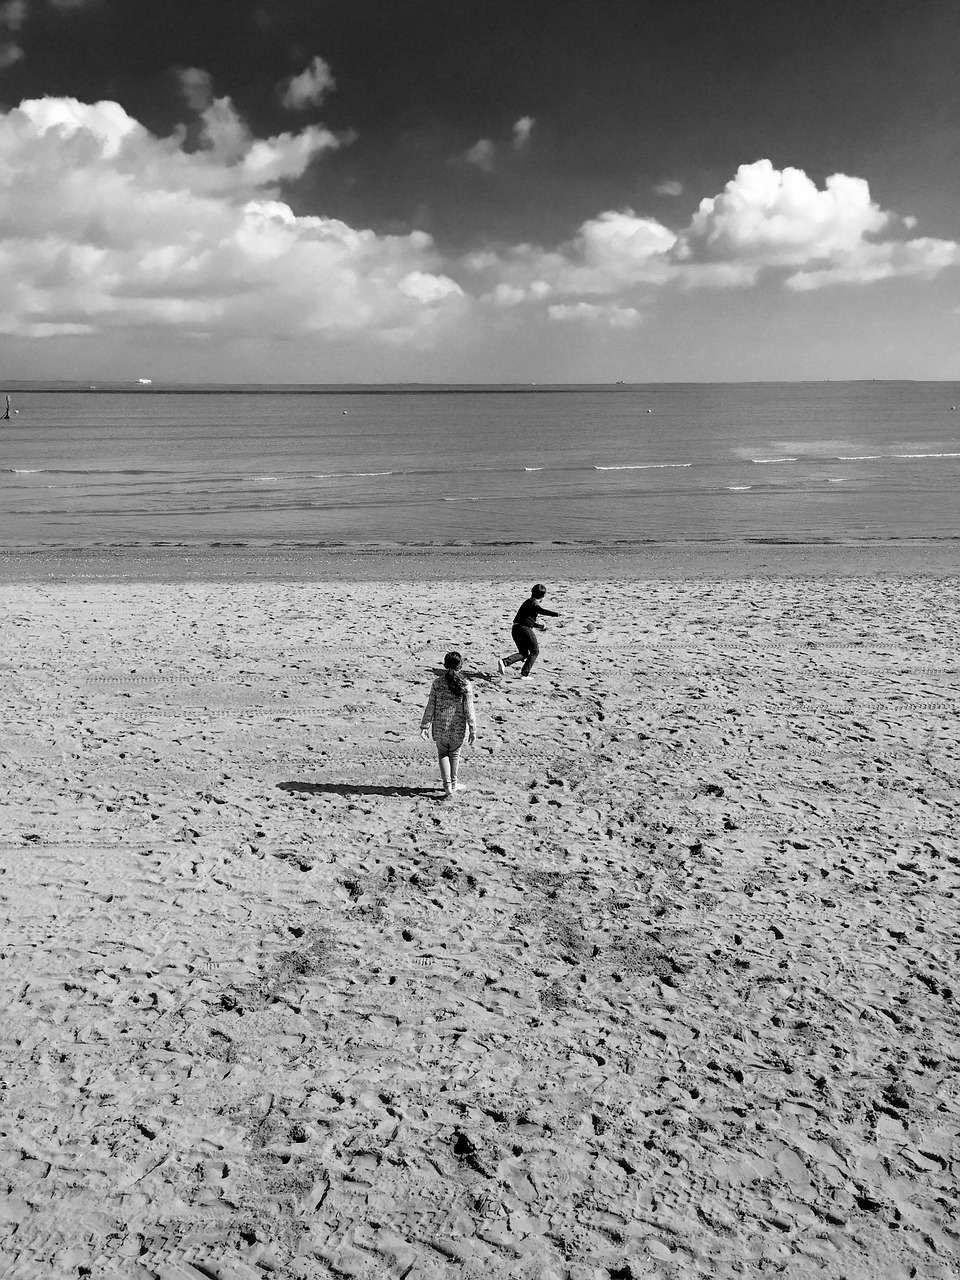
(6,413)
(145,382)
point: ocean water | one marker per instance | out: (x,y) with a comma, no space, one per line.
(800,462)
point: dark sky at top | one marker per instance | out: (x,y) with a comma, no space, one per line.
(625,94)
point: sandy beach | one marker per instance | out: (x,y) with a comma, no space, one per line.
(668,991)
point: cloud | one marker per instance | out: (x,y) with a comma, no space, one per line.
(522,130)
(13,14)
(610,254)
(669,188)
(13,17)
(107,228)
(483,155)
(197,87)
(779,218)
(224,135)
(101,125)
(624,245)
(595,315)
(923,257)
(765,222)
(766,218)
(309,87)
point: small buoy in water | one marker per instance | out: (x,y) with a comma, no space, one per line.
(344,413)
(953,407)
(649,411)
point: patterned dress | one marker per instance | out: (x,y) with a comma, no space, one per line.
(447,715)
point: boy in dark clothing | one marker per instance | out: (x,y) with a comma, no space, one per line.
(524,626)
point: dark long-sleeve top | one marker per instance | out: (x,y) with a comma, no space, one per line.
(446,714)
(529,611)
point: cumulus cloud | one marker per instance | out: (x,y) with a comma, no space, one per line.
(106,227)
(766,218)
(104,126)
(923,257)
(764,221)
(309,87)
(669,188)
(623,245)
(483,155)
(522,131)
(610,254)
(779,218)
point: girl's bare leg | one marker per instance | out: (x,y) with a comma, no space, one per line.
(454,766)
(445,770)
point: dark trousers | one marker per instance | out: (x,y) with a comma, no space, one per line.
(528,649)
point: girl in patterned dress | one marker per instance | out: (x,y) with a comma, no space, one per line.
(449,718)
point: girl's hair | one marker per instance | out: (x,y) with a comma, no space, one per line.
(538,590)
(452,663)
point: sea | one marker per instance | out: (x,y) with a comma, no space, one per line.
(815,462)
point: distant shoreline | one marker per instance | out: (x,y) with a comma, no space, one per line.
(309,389)
(420,388)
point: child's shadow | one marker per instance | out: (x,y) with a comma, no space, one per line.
(352,789)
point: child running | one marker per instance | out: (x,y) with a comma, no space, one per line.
(448,718)
(524,623)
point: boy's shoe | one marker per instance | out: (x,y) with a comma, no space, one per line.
(457,786)
(526,677)
(501,666)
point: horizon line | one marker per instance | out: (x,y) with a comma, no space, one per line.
(162,386)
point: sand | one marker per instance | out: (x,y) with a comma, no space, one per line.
(669,990)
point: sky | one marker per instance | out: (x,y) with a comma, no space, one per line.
(480,191)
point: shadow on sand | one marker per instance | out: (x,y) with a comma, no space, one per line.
(353,789)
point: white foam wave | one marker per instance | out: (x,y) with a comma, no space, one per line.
(27,471)
(341,475)
(773,459)
(880,457)
(463,499)
(645,466)
(739,488)
(533,468)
